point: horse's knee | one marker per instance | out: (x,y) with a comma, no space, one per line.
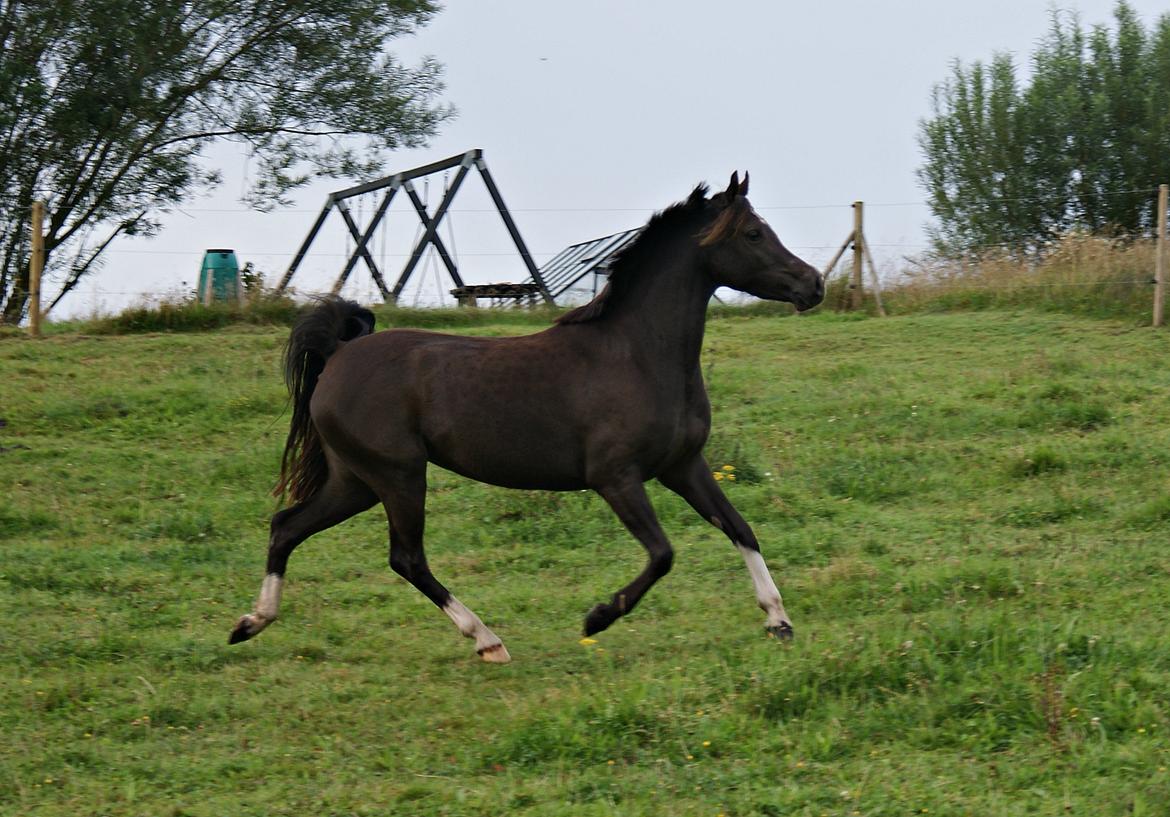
(743,536)
(661,561)
(401,563)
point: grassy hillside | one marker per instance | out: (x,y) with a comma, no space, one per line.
(967,514)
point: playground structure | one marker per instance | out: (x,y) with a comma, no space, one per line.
(430,237)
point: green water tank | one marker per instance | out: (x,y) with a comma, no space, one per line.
(219,277)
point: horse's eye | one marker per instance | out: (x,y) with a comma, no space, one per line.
(753,234)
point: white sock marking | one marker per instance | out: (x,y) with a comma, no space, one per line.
(268,605)
(470,625)
(766,593)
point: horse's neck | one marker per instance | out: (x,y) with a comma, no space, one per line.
(664,313)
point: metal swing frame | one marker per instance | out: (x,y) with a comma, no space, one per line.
(404,181)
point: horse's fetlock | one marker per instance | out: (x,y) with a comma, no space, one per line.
(599,618)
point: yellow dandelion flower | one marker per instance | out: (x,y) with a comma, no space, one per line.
(706,743)
(610,762)
(729,468)
(731,477)
(690,757)
(587,641)
(718,476)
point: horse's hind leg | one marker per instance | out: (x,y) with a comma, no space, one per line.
(694,483)
(403,491)
(342,496)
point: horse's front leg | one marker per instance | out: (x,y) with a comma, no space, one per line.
(694,482)
(629,501)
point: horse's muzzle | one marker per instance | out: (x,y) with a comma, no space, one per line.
(811,294)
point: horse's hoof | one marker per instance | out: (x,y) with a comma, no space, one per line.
(495,654)
(599,618)
(245,628)
(781,631)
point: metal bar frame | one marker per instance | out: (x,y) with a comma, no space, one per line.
(425,218)
(407,175)
(300,256)
(494,192)
(428,236)
(364,241)
(464,161)
(361,250)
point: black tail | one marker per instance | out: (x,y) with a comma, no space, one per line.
(315,336)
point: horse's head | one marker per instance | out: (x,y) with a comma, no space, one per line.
(741,251)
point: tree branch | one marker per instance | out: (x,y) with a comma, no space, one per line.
(78,272)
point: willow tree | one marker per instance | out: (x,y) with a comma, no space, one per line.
(1014,159)
(106,106)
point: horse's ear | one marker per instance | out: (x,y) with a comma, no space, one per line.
(743,188)
(732,189)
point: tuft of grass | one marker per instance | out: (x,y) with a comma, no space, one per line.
(1041,460)
(190,315)
(1078,274)
(1151,514)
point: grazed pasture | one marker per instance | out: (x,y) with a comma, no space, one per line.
(968,515)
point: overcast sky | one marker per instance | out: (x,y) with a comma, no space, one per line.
(594,114)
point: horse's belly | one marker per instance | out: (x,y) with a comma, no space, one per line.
(513,469)
(510,455)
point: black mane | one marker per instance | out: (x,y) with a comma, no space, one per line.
(629,259)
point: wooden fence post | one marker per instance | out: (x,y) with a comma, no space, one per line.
(858,251)
(36,265)
(1160,262)
(873,278)
(861,255)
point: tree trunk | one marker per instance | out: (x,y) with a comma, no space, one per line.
(17,298)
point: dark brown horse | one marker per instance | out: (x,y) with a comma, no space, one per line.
(608,398)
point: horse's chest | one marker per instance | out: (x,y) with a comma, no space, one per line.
(681,428)
(693,428)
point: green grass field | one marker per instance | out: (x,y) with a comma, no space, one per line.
(967,514)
